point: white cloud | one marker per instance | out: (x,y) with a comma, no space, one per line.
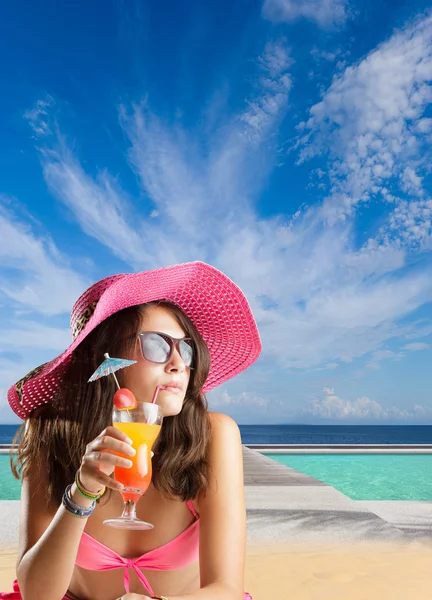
(422,411)
(374,366)
(264,110)
(34,335)
(411,182)
(319,54)
(424,125)
(409,225)
(331,407)
(99,205)
(416,346)
(367,122)
(39,116)
(247,406)
(384,354)
(326,13)
(246,399)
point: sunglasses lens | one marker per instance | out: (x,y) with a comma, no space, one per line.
(186,352)
(155,348)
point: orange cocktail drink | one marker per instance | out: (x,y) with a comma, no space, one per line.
(141,422)
(136,479)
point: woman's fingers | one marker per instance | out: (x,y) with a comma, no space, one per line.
(99,465)
(105,480)
(107,442)
(106,458)
(116,433)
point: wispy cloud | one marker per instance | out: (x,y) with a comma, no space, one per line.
(246,406)
(416,346)
(37,283)
(34,274)
(266,110)
(196,197)
(328,14)
(99,204)
(26,334)
(245,399)
(387,354)
(40,116)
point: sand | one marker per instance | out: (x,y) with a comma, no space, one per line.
(7,569)
(360,571)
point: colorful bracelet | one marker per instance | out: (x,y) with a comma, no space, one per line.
(85,492)
(74,508)
(74,504)
(160,598)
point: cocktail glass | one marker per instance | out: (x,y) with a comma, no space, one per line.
(142,425)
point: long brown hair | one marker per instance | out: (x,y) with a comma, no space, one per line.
(59,432)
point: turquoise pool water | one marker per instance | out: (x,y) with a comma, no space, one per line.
(368,476)
(10,488)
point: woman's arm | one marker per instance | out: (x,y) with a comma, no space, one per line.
(50,537)
(48,541)
(222,517)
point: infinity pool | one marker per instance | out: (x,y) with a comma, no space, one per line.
(10,488)
(368,476)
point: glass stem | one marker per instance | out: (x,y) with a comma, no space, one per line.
(129,510)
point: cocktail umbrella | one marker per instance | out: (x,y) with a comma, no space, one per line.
(110,366)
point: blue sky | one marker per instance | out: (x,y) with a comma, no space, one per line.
(287,143)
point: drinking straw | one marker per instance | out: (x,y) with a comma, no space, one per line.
(156,392)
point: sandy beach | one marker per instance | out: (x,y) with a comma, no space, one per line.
(360,571)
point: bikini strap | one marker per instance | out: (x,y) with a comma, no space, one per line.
(191,508)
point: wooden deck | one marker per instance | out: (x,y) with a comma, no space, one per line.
(263,471)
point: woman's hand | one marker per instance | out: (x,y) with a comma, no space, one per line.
(100,458)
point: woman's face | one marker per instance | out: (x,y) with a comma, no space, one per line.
(143,377)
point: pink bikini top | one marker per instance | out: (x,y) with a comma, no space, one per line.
(176,554)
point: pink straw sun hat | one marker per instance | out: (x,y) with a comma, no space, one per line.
(215,304)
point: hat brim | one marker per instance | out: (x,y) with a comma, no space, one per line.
(215,304)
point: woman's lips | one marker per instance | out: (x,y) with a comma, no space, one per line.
(172,389)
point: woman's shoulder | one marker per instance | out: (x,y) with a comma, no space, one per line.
(221,421)
(224,431)
(225,460)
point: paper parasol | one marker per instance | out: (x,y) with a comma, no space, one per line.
(110,366)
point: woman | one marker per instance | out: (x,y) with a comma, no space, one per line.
(205,334)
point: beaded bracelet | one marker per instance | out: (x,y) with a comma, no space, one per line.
(73,507)
(85,492)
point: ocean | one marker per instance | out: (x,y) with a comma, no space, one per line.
(313,434)
(336,434)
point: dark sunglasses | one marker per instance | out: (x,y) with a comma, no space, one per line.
(158,347)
